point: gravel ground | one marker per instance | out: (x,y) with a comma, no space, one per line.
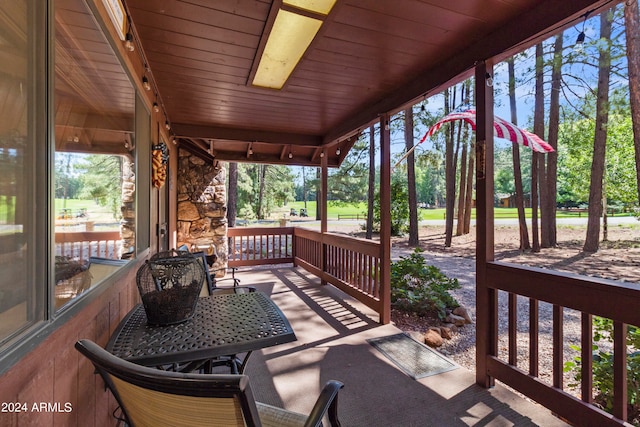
(462,347)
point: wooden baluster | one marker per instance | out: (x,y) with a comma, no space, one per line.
(586,363)
(533,337)
(620,392)
(558,346)
(513,329)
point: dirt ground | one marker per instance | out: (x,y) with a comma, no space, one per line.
(618,258)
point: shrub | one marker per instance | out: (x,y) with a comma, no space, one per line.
(421,288)
(603,368)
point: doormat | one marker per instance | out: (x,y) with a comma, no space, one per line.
(413,358)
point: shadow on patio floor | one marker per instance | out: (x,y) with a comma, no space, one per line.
(332,329)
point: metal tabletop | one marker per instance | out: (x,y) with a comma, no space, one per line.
(222,325)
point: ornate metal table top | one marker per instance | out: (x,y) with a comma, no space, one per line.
(222,325)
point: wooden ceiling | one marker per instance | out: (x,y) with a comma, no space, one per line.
(370,57)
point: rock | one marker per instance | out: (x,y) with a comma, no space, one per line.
(463,312)
(453,328)
(446,333)
(433,338)
(416,336)
(455,319)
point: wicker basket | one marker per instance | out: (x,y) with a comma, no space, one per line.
(169,285)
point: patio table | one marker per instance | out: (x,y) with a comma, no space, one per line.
(223,325)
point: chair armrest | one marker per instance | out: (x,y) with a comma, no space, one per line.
(327,401)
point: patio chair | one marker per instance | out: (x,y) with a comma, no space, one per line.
(149,397)
(212,280)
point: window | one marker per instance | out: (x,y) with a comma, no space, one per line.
(21,100)
(95,151)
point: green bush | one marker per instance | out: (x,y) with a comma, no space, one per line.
(603,368)
(421,288)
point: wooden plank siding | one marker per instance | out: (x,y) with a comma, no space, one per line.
(55,373)
(590,296)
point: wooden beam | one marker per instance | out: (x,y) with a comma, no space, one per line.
(247,135)
(385,219)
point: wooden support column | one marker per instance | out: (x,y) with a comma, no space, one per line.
(486,298)
(385,220)
(324,165)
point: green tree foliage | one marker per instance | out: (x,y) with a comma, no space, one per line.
(603,367)
(575,153)
(399,206)
(102,181)
(349,182)
(277,189)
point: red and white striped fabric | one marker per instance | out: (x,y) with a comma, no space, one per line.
(502,129)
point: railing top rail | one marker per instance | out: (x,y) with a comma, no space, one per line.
(365,246)
(86,236)
(602,297)
(256,231)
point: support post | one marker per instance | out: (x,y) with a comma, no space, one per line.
(486,298)
(385,220)
(324,165)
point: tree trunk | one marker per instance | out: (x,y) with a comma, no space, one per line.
(591,243)
(517,170)
(469,193)
(232,195)
(538,129)
(263,174)
(304,187)
(411,178)
(371,193)
(450,178)
(554,125)
(534,202)
(632,29)
(462,191)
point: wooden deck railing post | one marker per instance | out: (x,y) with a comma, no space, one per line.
(486,297)
(385,220)
(323,210)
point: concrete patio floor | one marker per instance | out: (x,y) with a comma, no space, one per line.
(332,329)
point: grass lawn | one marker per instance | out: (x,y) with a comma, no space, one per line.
(425,214)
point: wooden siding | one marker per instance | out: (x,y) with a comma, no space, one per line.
(54,372)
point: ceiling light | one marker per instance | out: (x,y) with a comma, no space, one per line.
(167,125)
(145,83)
(156,107)
(489,80)
(338,151)
(290,37)
(128,43)
(322,7)
(290,155)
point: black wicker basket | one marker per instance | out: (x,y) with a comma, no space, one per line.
(169,285)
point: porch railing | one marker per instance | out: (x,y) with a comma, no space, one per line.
(591,297)
(350,264)
(85,244)
(260,245)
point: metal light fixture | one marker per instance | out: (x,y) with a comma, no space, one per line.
(145,83)
(290,155)
(338,151)
(128,43)
(489,80)
(156,107)
(579,46)
(167,125)
(288,39)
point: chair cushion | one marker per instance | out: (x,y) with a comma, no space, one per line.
(270,416)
